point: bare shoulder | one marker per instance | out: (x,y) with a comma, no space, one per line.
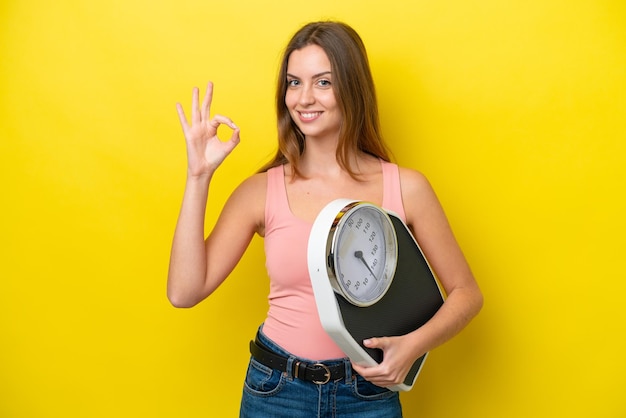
(419,198)
(413,181)
(248,201)
(256,185)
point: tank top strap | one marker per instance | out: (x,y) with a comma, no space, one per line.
(392,190)
(277,204)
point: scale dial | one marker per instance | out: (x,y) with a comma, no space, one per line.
(363,253)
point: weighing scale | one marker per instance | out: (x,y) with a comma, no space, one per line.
(370,279)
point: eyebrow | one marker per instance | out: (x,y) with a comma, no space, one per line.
(314,76)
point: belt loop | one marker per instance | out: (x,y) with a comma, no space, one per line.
(290,368)
(348,367)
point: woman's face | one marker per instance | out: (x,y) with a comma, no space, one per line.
(310,96)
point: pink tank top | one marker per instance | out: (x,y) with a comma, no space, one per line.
(292,320)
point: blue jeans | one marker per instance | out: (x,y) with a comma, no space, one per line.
(274,394)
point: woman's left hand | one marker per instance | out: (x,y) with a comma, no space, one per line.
(398,358)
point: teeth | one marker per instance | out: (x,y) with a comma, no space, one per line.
(310,115)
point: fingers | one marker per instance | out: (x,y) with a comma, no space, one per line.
(181,116)
(389,372)
(375,374)
(232,143)
(376,343)
(379,375)
(202,114)
(196,115)
(200,117)
(222,120)
(206,103)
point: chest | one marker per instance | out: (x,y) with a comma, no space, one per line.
(308,197)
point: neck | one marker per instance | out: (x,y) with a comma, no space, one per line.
(314,163)
(324,163)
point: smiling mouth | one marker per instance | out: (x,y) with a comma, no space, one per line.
(309,115)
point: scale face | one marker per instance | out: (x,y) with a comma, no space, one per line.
(370,279)
(362,253)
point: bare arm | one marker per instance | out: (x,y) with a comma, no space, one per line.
(199,266)
(430,226)
(428,222)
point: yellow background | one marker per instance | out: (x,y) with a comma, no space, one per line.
(515,111)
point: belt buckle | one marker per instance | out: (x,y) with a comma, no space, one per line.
(326,374)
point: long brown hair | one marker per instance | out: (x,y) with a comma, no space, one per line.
(354,90)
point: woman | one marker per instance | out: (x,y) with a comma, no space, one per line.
(330,147)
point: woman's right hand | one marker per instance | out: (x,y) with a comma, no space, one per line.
(205,151)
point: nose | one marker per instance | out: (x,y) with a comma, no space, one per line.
(307,96)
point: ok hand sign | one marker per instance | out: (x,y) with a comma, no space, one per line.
(205,151)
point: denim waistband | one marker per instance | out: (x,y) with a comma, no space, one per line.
(271,345)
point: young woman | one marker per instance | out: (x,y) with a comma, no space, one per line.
(329,147)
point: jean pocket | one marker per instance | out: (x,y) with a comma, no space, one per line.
(366,390)
(262,380)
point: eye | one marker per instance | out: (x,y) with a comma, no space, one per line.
(324,83)
(293,83)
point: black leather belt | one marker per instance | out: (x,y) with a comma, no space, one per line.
(317,373)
